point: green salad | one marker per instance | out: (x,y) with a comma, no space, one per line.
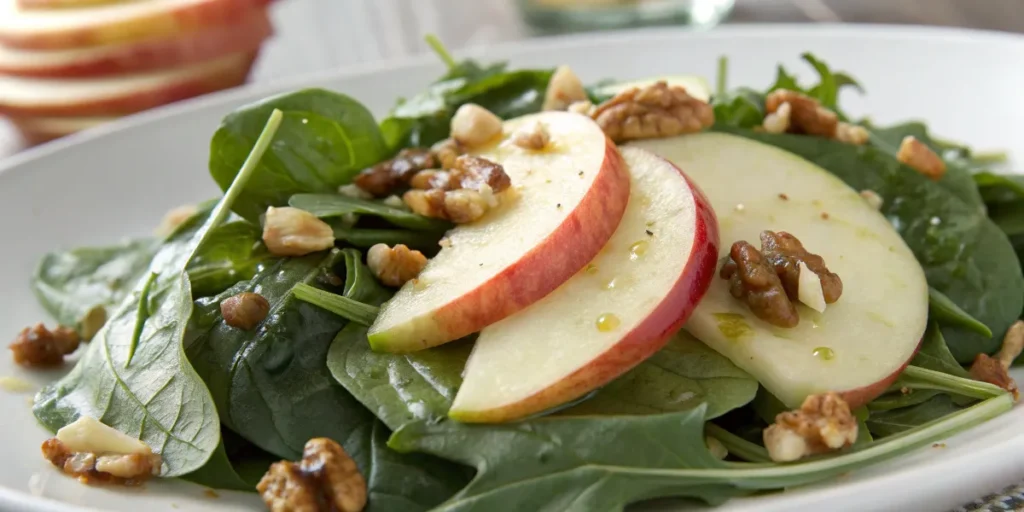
(520,292)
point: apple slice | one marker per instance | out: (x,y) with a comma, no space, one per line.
(244,35)
(31,97)
(566,202)
(63,4)
(856,346)
(618,311)
(114,23)
(37,130)
(695,86)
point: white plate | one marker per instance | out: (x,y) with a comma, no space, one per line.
(118,180)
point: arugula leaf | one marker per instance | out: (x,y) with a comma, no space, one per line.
(957,179)
(325,139)
(964,254)
(887,423)
(742,108)
(944,311)
(899,400)
(604,463)
(337,205)
(78,287)
(160,399)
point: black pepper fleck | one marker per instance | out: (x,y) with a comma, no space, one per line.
(650,233)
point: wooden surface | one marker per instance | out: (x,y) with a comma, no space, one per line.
(314,35)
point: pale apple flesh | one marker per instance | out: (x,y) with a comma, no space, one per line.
(244,35)
(565,202)
(111,96)
(860,343)
(113,23)
(609,317)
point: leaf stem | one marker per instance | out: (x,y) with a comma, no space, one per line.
(990,157)
(340,305)
(141,315)
(722,76)
(442,52)
(736,445)
(922,378)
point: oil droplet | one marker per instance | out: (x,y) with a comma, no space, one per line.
(638,249)
(733,325)
(591,269)
(824,353)
(607,322)
(740,207)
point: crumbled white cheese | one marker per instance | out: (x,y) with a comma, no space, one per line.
(88,435)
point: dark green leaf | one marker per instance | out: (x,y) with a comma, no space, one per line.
(1000,188)
(742,108)
(337,205)
(965,256)
(1009,217)
(365,238)
(784,80)
(934,354)
(887,423)
(363,314)
(827,91)
(899,399)
(944,311)
(230,254)
(325,139)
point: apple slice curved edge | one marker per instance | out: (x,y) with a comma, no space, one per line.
(859,345)
(618,311)
(565,202)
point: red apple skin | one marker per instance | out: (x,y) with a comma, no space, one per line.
(157,25)
(861,396)
(560,256)
(242,36)
(141,100)
(644,340)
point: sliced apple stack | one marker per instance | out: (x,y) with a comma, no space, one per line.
(566,201)
(856,346)
(70,64)
(609,317)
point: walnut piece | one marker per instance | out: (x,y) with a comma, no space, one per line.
(769,280)
(852,134)
(532,138)
(39,347)
(467,192)
(245,310)
(474,126)
(918,156)
(174,218)
(654,111)
(385,178)
(293,232)
(778,121)
(394,266)
(446,151)
(872,198)
(564,89)
(994,370)
(91,468)
(474,172)
(463,206)
(806,115)
(431,178)
(822,424)
(325,479)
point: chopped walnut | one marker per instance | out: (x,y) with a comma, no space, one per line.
(769,280)
(293,232)
(91,468)
(447,151)
(532,138)
(994,370)
(174,218)
(753,279)
(564,89)
(353,190)
(822,424)
(245,310)
(394,266)
(852,134)
(473,126)
(872,198)
(431,178)
(466,205)
(654,111)
(468,193)
(388,176)
(40,347)
(584,107)
(474,172)
(325,479)
(778,121)
(806,114)
(918,156)
(428,203)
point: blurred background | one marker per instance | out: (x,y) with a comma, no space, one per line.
(66,65)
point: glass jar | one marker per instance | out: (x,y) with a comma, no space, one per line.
(584,15)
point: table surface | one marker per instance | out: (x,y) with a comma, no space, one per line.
(313,35)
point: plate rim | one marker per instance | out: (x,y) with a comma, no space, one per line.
(14,499)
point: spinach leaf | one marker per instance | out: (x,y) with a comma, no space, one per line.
(603,463)
(220,471)
(424,119)
(944,311)
(159,398)
(957,179)
(337,205)
(1000,188)
(325,139)
(965,256)
(934,354)
(78,287)
(1009,217)
(231,253)
(679,377)
(887,423)
(426,241)
(899,400)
